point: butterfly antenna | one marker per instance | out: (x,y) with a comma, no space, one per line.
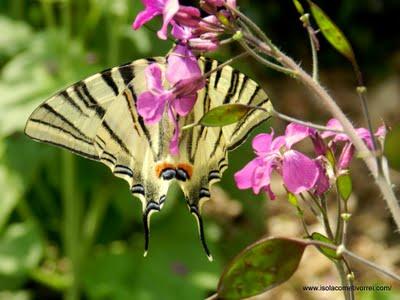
(194,210)
(151,207)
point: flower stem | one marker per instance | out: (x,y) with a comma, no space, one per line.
(213,297)
(343,251)
(311,36)
(343,279)
(304,123)
(265,61)
(327,224)
(72,212)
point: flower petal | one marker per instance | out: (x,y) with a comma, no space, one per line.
(243,178)
(278,143)
(170,9)
(346,156)
(153,76)
(262,143)
(262,176)
(181,32)
(181,65)
(322,184)
(381,132)
(151,107)
(332,124)
(299,172)
(145,16)
(295,133)
(184,105)
(174,142)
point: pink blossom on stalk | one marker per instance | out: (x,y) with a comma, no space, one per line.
(348,150)
(187,16)
(153,8)
(322,185)
(184,76)
(299,172)
(187,35)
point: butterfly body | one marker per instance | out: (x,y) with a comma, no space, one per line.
(97,119)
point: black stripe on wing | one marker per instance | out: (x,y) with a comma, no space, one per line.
(115,137)
(63,130)
(107,77)
(51,110)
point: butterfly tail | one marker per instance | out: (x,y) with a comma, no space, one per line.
(151,207)
(194,210)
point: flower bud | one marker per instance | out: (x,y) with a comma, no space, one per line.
(187,16)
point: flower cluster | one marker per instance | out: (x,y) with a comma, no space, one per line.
(182,73)
(182,67)
(299,172)
(187,25)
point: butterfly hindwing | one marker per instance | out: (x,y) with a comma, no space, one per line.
(207,147)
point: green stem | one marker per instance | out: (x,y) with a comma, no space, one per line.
(327,224)
(66,18)
(72,216)
(93,218)
(253,26)
(342,250)
(343,279)
(48,13)
(339,224)
(17,9)
(311,36)
(113,40)
(304,123)
(265,61)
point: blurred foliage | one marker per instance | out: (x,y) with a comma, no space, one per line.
(46,45)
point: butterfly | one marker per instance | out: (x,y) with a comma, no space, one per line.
(97,119)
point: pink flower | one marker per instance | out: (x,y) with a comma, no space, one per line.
(299,172)
(193,37)
(167,8)
(348,150)
(185,78)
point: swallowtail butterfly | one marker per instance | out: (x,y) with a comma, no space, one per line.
(97,119)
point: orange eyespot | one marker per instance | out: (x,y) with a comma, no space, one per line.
(187,168)
(162,166)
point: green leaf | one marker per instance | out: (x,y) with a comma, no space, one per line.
(14,37)
(224,115)
(345,186)
(299,7)
(21,249)
(11,190)
(330,253)
(392,148)
(332,33)
(260,267)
